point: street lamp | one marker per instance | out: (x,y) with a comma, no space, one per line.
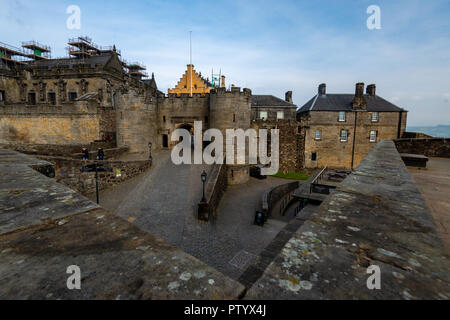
(204,176)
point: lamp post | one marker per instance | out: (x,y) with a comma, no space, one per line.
(204,176)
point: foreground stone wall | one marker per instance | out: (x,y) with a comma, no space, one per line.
(377,216)
(430,147)
(65,150)
(67,172)
(46,227)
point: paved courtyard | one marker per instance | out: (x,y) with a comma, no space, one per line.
(434,184)
(163,201)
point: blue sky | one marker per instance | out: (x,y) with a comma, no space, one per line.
(268,46)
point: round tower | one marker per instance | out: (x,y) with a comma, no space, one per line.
(232,110)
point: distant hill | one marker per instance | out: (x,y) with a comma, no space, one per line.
(440,131)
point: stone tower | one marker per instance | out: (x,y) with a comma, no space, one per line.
(232,110)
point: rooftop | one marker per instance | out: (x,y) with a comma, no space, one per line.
(343,102)
(269,100)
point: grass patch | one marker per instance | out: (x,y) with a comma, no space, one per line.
(292,176)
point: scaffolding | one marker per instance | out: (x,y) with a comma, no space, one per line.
(83,47)
(13,55)
(37,51)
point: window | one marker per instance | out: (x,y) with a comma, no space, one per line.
(263,115)
(52,98)
(344,135)
(318,135)
(164,119)
(234,117)
(280,115)
(2,95)
(314,156)
(73,96)
(375,116)
(373,136)
(342,116)
(206,119)
(32,98)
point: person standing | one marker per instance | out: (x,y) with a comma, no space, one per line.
(100,154)
(85,152)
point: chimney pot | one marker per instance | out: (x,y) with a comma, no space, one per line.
(322,89)
(371,89)
(289,96)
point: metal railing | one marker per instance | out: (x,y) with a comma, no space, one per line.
(317,179)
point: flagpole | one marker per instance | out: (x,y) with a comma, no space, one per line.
(191,57)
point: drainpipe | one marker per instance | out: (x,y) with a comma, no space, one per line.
(354,140)
(399,129)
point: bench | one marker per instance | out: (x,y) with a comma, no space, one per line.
(414,160)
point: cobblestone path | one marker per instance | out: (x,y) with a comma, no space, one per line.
(163,201)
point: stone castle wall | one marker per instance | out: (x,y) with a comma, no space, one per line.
(77,123)
(135,121)
(291,143)
(67,172)
(430,147)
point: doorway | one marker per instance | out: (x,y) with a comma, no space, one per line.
(165,141)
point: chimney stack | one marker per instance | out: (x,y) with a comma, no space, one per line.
(359,92)
(371,89)
(322,89)
(289,96)
(358,101)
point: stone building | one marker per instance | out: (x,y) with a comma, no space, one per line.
(65,100)
(192,82)
(95,95)
(340,129)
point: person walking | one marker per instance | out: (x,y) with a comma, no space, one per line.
(85,152)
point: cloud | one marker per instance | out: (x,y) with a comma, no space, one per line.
(268,46)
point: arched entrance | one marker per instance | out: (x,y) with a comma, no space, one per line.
(188,127)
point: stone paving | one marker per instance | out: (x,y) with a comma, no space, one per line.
(434,184)
(164,201)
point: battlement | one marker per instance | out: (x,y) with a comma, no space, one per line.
(233,90)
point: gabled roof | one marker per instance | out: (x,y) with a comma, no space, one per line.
(270,101)
(343,102)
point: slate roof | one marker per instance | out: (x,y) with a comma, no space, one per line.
(94,60)
(270,101)
(343,102)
